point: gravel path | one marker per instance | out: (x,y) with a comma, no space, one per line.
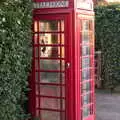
(107,106)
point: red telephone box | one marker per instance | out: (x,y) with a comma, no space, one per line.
(62,82)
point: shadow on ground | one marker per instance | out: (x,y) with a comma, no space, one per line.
(107,105)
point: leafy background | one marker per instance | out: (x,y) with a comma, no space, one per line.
(15,57)
(108,41)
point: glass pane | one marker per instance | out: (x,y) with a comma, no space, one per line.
(85,25)
(51,52)
(50,103)
(49,64)
(49,25)
(85,50)
(50,38)
(50,115)
(49,77)
(86,111)
(86,74)
(86,87)
(85,62)
(48,90)
(86,99)
(85,37)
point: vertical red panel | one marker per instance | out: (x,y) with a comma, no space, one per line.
(87,96)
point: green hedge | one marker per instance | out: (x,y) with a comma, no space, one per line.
(15,57)
(108,41)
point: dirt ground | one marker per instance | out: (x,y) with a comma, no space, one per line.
(107,105)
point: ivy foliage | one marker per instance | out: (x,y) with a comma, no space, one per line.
(15,57)
(108,41)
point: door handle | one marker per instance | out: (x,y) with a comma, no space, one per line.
(67,65)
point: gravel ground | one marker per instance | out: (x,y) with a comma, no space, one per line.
(107,105)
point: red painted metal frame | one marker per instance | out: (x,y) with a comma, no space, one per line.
(68,87)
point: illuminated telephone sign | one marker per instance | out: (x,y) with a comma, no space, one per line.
(82,4)
(51,4)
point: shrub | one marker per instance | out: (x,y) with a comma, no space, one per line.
(15,57)
(108,41)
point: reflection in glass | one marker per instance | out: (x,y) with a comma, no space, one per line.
(50,25)
(85,25)
(50,77)
(86,99)
(49,64)
(86,111)
(50,103)
(85,50)
(50,38)
(52,52)
(85,37)
(85,87)
(49,90)
(49,115)
(86,74)
(85,62)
